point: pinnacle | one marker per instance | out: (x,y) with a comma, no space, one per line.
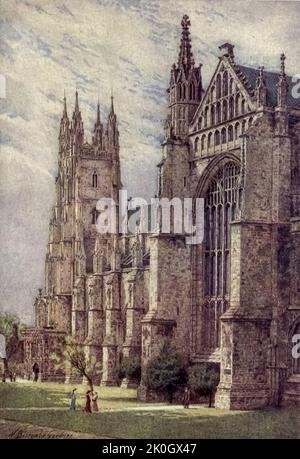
(185,54)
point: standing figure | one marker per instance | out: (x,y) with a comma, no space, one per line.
(186,397)
(95,404)
(88,408)
(36,371)
(73,400)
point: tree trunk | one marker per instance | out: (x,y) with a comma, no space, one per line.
(90,382)
(170,397)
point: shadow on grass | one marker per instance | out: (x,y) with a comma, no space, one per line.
(17,396)
(159,424)
(43,395)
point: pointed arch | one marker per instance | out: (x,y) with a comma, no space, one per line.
(224,110)
(243,106)
(212,115)
(180,91)
(218,86)
(219,188)
(230,133)
(231,107)
(237,130)
(205,116)
(225,83)
(223,136)
(213,93)
(218,113)
(231,86)
(95,180)
(196,144)
(237,103)
(192,91)
(217,137)
(203,142)
(200,123)
(209,140)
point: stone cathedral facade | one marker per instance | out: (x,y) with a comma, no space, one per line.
(233,299)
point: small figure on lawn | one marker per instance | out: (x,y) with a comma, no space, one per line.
(186,397)
(88,396)
(95,403)
(73,400)
(36,371)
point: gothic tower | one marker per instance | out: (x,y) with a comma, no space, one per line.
(185,90)
(185,93)
(86,172)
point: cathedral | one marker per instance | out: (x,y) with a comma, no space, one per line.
(233,299)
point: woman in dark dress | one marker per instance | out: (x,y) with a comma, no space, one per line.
(88,408)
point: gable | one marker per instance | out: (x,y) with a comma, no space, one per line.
(227,90)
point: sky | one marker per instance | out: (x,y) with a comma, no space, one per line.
(100,46)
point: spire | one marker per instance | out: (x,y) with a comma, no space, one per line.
(282,64)
(98,113)
(64,127)
(76,113)
(98,129)
(65,113)
(76,102)
(112,118)
(185,54)
(260,88)
(112,130)
(282,85)
(185,87)
(77,124)
(112,111)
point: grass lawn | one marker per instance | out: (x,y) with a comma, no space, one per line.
(122,416)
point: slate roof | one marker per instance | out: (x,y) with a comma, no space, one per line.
(271,79)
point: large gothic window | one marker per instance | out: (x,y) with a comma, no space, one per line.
(220,206)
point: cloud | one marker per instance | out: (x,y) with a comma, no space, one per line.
(127,45)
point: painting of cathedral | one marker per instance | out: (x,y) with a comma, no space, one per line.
(233,299)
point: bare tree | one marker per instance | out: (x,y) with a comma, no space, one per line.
(73,355)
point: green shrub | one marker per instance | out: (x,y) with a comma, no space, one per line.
(164,373)
(131,368)
(204,378)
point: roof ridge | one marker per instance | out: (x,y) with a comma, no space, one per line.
(274,72)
